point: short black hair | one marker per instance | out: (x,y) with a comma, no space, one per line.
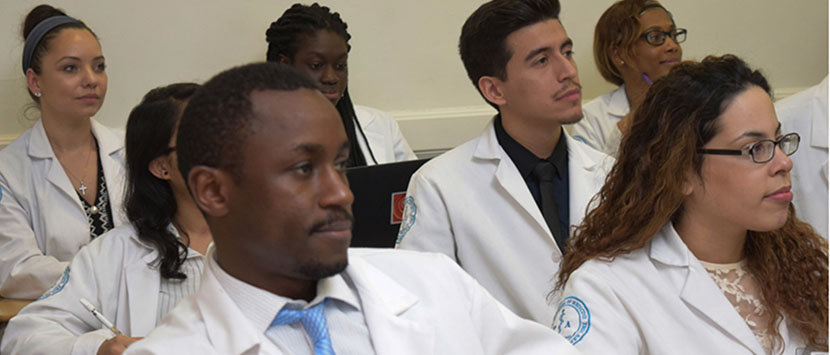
(217,120)
(483,42)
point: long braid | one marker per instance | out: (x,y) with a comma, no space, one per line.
(283,38)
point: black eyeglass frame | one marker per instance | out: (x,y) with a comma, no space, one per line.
(673,34)
(750,150)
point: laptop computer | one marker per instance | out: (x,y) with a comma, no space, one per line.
(379,194)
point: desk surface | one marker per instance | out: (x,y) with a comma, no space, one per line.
(9,308)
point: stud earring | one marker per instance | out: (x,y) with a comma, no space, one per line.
(164,172)
(37,94)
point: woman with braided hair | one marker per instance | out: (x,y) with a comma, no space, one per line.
(314,41)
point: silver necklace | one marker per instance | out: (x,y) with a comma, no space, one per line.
(82,188)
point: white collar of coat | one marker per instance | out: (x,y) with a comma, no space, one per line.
(667,247)
(618,103)
(108,142)
(371,282)
(230,332)
(489,148)
(152,256)
(818,130)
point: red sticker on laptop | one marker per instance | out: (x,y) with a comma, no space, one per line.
(398,199)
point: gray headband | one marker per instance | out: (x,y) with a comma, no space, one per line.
(37,34)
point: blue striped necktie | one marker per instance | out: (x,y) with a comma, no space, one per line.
(314,322)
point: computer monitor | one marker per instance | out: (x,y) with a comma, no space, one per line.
(379,194)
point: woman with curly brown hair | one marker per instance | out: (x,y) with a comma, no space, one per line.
(694,246)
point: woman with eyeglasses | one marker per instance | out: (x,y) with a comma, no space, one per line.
(635,43)
(137,272)
(694,246)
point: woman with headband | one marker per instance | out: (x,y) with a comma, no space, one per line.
(137,272)
(635,43)
(61,180)
(314,40)
(694,246)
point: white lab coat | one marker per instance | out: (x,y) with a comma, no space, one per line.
(413,303)
(118,273)
(385,138)
(806,114)
(598,126)
(43,221)
(472,204)
(655,300)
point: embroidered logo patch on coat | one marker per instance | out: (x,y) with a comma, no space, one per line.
(572,319)
(410,211)
(58,286)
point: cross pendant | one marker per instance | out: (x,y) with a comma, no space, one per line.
(82,188)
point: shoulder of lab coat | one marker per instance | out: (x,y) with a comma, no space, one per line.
(657,299)
(384,136)
(468,202)
(598,126)
(116,272)
(42,218)
(413,303)
(806,113)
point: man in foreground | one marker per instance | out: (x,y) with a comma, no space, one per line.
(264,154)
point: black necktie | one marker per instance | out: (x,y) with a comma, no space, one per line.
(544,173)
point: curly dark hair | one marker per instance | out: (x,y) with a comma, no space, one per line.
(643,192)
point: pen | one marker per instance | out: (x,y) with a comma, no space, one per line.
(646,78)
(88,305)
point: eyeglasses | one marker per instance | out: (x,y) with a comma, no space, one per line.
(763,150)
(657,37)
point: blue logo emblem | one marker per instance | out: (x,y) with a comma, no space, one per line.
(572,319)
(410,211)
(58,286)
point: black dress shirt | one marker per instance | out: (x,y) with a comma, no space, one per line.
(525,161)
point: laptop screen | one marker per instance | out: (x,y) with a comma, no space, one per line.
(379,194)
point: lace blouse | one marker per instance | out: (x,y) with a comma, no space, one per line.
(741,289)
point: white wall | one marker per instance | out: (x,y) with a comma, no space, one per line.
(404,53)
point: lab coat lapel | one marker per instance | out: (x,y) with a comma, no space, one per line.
(699,291)
(508,177)
(110,148)
(385,303)
(228,330)
(40,148)
(818,135)
(584,181)
(142,309)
